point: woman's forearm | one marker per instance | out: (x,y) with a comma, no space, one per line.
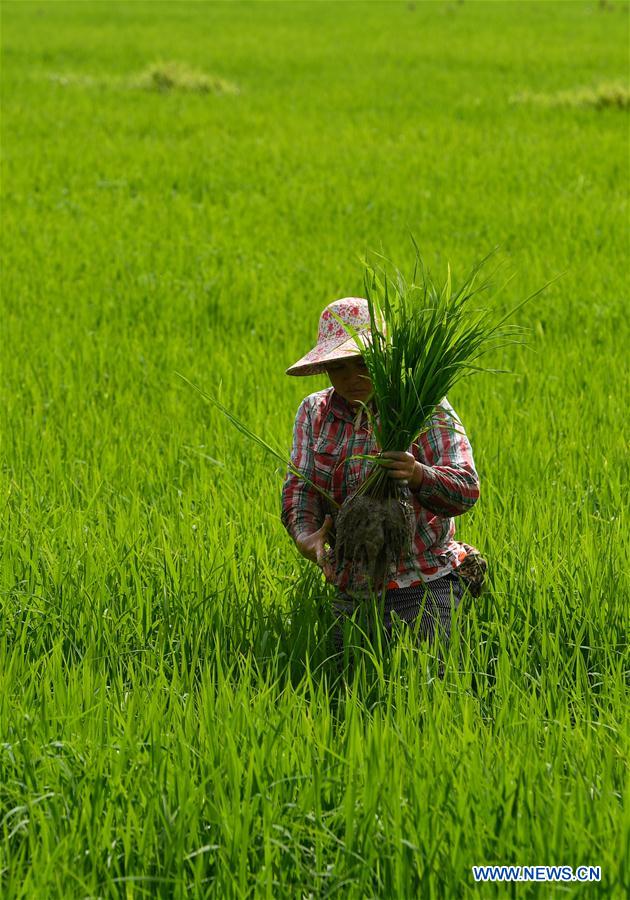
(446,489)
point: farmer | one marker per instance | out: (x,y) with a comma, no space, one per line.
(330,427)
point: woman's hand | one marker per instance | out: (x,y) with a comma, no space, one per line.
(403,467)
(313,547)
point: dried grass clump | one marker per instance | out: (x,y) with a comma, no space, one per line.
(164,77)
(161,78)
(72,79)
(612,95)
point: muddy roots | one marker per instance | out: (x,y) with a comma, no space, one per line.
(372,534)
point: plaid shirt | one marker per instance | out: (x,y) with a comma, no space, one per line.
(327,431)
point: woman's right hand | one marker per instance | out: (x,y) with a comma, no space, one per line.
(313,547)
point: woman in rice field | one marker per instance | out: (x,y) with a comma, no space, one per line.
(330,427)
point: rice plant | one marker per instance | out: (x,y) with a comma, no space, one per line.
(171,724)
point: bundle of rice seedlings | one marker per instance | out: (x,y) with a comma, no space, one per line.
(431,336)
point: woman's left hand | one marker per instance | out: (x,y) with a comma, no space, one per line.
(402,466)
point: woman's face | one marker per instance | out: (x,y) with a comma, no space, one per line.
(350,378)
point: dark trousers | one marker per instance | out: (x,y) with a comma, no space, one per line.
(432,602)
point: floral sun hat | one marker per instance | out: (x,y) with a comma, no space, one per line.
(333,341)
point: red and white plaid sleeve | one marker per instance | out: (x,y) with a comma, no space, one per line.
(450,485)
(302,505)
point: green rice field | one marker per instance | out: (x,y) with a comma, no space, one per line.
(185,186)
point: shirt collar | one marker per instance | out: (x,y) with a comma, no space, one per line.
(343,410)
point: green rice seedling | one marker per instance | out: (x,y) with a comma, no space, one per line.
(424,338)
(250,435)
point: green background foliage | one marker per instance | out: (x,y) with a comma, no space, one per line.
(170,723)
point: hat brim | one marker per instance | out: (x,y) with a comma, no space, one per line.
(314,362)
